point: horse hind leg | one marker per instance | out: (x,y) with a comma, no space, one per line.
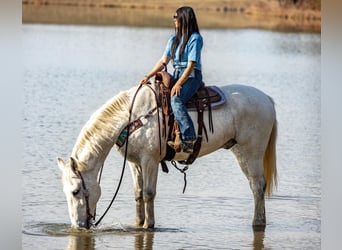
(258,186)
(254,171)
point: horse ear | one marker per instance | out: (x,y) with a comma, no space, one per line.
(61,163)
(73,164)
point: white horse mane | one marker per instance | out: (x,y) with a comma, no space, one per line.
(103,124)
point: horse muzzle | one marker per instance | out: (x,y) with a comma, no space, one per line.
(84,224)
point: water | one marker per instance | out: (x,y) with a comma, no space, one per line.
(70,71)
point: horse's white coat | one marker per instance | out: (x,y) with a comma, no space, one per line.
(248,117)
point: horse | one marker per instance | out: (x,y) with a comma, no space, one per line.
(246,124)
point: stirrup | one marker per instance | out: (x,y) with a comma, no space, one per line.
(186,147)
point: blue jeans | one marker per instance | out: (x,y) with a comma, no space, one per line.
(178,103)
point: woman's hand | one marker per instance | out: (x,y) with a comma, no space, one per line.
(177,87)
(176,90)
(144,80)
(158,67)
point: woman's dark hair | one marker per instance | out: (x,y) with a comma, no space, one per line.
(187,25)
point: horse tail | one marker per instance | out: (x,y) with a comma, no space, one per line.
(270,166)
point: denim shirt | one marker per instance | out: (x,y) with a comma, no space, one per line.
(192,51)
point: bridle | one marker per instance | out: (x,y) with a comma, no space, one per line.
(86,197)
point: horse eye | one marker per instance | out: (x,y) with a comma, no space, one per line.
(74,193)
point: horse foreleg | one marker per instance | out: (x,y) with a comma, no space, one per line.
(150,173)
(138,192)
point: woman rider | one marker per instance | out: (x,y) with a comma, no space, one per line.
(184,49)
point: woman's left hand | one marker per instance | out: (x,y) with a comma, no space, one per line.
(176,90)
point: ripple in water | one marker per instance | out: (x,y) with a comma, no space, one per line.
(63,229)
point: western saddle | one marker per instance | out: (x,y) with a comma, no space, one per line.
(205,98)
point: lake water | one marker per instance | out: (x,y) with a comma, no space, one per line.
(70,71)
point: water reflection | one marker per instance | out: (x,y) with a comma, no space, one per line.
(144,240)
(138,238)
(258,239)
(81,242)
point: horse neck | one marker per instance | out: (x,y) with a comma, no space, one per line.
(103,129)
(99,134)
(90,160)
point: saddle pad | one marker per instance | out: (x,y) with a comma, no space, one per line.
(216,98)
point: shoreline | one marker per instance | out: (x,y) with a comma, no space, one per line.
(263,14)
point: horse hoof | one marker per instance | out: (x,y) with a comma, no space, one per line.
(139,223)
(259,228)
(259,225)
(147,226)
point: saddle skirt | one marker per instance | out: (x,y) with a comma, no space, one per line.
(205,97)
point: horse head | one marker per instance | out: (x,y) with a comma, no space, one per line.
(82,192)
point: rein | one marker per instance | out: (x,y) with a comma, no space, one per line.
(127,133)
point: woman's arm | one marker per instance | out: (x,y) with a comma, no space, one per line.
(177,87)
(158,67)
